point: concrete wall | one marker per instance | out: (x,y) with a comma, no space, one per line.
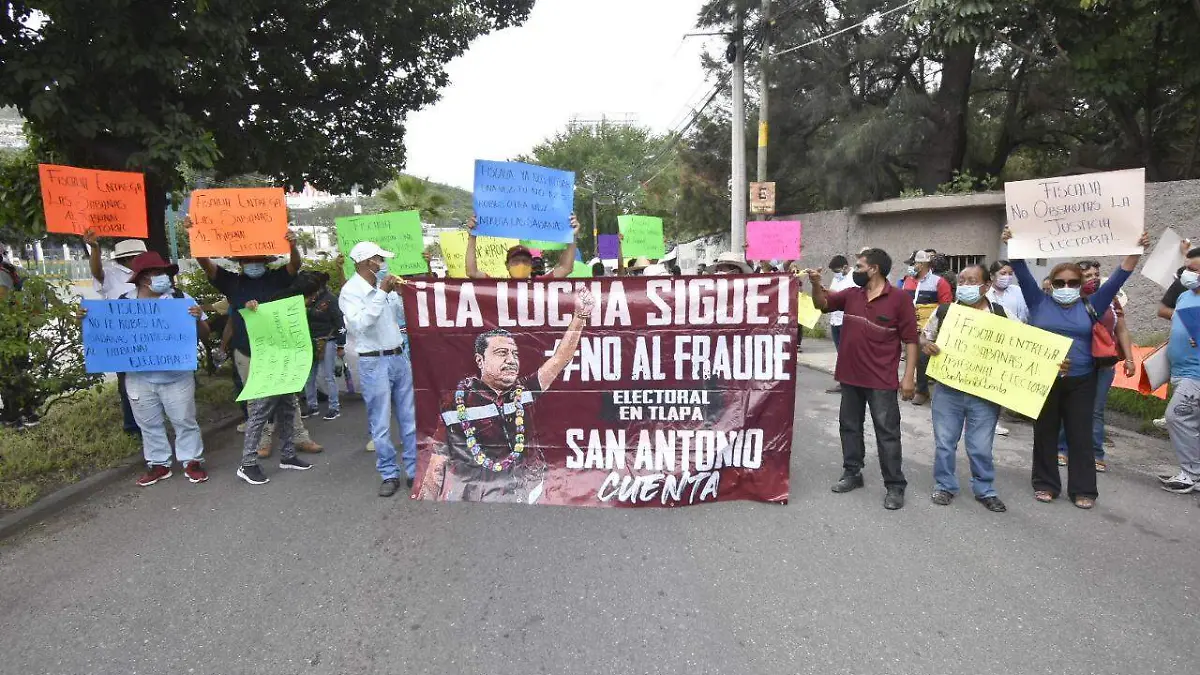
(970,225)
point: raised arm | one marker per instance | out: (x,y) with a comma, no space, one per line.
(1103,297)
(819,296)
(94,262)
(472,264)
(566,259)
(554,366)
(210,268)
(294,261)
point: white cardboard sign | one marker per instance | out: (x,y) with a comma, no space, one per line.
(1088,215)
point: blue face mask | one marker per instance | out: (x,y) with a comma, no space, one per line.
(254,270)
(381,273)
(1065,296)
(968,295)
(160,283)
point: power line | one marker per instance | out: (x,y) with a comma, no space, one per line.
(874,17)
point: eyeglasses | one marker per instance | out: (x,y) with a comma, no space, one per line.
(1066,283)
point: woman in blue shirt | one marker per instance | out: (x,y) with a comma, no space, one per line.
(1070,401)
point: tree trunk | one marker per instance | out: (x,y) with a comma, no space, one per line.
(947,145)
(156,215)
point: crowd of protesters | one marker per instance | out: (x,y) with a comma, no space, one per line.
(876,324)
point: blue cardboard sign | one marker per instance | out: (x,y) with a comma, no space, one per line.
(1190,318)
(128,336)
(523,201)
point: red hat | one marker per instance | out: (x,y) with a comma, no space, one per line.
(150,260)
(516,251)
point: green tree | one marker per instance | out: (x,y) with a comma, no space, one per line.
(299,91)
(408,193)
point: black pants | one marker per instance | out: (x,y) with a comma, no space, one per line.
(885,414)
(237,388)
(1069,405)
(922,378)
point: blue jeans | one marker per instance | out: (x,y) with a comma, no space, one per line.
(387,388)
(153,404)
(131,425)
(952,409)
(1104,380)
(325,365)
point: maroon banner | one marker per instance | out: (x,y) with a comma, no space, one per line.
(605,392)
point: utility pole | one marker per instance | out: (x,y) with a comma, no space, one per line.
(737,232)
(764,92)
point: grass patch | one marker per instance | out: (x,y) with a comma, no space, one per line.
(1140,406)
(819,332)
(80,437)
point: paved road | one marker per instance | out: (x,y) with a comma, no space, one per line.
(314,574)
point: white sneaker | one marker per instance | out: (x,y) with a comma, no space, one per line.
(1161,423)
(1001,431)
(242,428)
(370,446)
(1181,483)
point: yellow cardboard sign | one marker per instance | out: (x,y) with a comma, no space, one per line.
(490,254)
(923,314)
(807,313)
(997,359)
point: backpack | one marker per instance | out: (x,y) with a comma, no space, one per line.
(1105,350)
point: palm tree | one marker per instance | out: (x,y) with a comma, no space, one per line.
(408,193)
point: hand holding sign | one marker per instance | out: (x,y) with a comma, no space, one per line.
(398,232)
(524,201)
(281,348)
(1086,215)
(110,203)
(641,237)
(233,222)
(773,240)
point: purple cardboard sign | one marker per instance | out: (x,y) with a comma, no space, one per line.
(609,247)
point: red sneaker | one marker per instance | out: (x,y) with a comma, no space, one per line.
(195,472)
(155,474)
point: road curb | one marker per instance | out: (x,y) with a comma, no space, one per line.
(58,501)
(811,365)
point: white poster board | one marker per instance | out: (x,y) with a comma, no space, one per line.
(1088,215)
(1162,262)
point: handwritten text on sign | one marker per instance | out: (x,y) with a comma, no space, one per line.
(128,336)
(282,349)
(773,240)
(1087,215)
(997,359)
(237,222)
(490,254)
(398,233)
(524,201)
(642,237)
(110,203)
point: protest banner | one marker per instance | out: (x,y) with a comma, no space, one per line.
(1164,260)
(1091,214)
(110,203)
(281,348)
(130,336)
(1140,382)
(807,314)
(233,222)
(773,240)
(641,237)
(523,201)
(997,359)
(490,254)
(675,391)
(608,247)
(398,232)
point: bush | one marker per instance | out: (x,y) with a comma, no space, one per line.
(1145,408)
(41,347)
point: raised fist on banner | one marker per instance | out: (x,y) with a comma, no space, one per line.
(584,302)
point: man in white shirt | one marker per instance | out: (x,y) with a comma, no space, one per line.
(112,282)
(842,279)
(374,314)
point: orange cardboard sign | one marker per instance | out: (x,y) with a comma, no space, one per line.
(233,222)
(1139,382)
(110,203)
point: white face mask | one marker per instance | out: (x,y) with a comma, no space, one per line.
(1190,279)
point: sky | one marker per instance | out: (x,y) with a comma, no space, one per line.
(585,58)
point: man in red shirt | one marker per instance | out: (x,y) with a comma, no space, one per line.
(877,319)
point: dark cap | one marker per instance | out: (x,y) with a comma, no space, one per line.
(518,251)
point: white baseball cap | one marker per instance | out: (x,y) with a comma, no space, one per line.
(365,250)
(128,248)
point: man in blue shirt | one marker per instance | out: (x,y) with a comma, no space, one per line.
(1183,410)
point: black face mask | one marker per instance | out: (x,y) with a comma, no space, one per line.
(860,279)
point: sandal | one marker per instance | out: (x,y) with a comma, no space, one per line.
(1101,466)
(1043,496)
(1084,502)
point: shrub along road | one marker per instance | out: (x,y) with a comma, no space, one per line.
(313,573)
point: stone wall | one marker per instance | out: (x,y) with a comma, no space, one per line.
(968,225)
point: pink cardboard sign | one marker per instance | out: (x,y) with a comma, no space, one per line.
(773,240)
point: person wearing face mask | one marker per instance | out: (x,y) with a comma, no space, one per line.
(1183,410)
(954,410)
(159,396)
(256,282)
(519,260)
(878,321)
(328,332)
(1073,395)
(730,263)
(1005,292)
(374,317)
(1113,321)
(927,290)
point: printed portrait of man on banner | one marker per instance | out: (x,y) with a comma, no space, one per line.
(490,450)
